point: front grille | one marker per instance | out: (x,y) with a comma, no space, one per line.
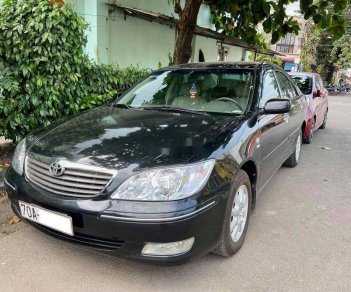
(78,180)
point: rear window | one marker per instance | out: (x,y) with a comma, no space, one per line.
(305,83)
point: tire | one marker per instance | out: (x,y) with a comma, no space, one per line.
(294,158)
(309,139)
(325,120)
(230,244)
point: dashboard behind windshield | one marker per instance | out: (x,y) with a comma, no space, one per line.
(305,83)
(217,91)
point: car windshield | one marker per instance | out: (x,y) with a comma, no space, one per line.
(207,91)
(304,83)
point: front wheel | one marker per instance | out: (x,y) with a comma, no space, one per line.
(237,216)
(294,158)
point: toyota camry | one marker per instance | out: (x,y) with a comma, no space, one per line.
(168,171)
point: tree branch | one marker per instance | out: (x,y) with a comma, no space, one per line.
(210,2)
(177,7)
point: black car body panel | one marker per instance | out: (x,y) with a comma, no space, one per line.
(178,137)
(130,140)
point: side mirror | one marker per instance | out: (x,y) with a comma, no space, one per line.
(277,106)
(318,93)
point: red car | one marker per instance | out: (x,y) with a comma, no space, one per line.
(316,94)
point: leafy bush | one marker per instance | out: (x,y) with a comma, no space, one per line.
(41,46)
(7,82)
(107,81)
(267,59)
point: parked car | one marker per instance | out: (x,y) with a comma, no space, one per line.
(316,94)
(170,170)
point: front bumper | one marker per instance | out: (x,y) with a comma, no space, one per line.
(123,228)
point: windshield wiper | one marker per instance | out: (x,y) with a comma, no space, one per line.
(122,105)
(175,110)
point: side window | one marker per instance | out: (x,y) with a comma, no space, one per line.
(287,88)
(270,88)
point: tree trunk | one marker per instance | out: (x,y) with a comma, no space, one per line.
(186,26)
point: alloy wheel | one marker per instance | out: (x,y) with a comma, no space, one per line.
(239,213)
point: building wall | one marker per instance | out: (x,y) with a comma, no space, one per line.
(112,39)
(148,44)
(138,42)
(159,6)
(236,54)
(208,46)
(96,14)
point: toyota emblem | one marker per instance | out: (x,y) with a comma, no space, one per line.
(56,169)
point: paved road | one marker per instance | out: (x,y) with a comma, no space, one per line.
(299,238)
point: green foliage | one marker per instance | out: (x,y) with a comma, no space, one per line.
(324,62)
(170,59)
(7,82)
(341,52)
(41,47)
(309,48)
(324,54)
(266,59)
(106,81)
(340,49)
(239,18)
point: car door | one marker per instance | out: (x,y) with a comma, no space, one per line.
(317,101)
(272,127)
(323,99)
(294,117)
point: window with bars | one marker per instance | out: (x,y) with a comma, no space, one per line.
(287,44)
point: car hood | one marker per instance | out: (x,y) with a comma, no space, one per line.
(118,138)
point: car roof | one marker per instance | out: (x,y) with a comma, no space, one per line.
(218,65)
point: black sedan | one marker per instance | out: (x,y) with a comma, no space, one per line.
(167,172)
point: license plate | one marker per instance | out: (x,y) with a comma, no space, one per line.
(54,220)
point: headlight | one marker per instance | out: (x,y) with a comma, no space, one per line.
(18,157)
(165,184)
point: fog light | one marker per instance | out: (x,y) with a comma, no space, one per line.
(168,249)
